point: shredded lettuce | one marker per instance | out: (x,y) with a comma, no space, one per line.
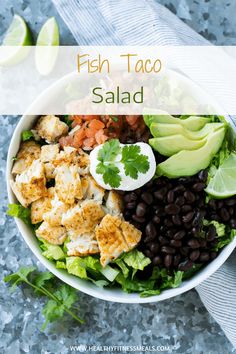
(51,252)
(136,259)
(60,265)
(18,211)
(82,266)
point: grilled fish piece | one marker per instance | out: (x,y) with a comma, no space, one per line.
(28,153)
(114,237)
(55,235)
(51,128)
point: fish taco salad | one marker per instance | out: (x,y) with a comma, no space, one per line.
(140,203)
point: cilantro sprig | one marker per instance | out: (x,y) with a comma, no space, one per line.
(108,156)
(61,298)
(134,162)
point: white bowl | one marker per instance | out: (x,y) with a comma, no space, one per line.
(116,295)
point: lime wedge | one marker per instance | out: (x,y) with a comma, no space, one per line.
(18,35)
(223,184)
(49,33)
(47,47)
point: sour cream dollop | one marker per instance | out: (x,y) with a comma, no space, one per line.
(127,183)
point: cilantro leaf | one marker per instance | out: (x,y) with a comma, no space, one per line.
(112,177)
(133,161)
(109,151)
(27,135)
(60,298)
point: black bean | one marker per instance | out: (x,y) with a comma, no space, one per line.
(202,175)
(204,257)
(150,230)
(136,218)
(215,217)
(168,223)
(168,250)
(224,214)
(188,217)
(185,208)
(186,265)
(148,253)
(131,205)
(195,231)
(219,204)
(154,247)
(211,233)
(189,196)
(170,197)
(176,219)
(172,209)
(233,223)
(163,240)
(176,243)
(156,219)
(160,194)
(127,214)
(230,202)
(180,201)
(141,209)
(213,255)
(157,260)
(148,239)
(198,187)
(193,243)
(179,189)
(135,224)
(147,198)
(231,211)
(168,260)
(213,204)
(159,211)
(194,255)
(169,233)
(197,219)
(179,235)
(185,180)
(184,251)
(177,259)
(188,225)
(130,197)
(203,243)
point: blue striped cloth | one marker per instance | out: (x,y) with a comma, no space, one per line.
(145,22)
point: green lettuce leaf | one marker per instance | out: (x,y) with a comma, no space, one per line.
(18,211)
(134,285)
(81,266)
(136,259)
(60,265)
(122,266)
(27,135)
(51,252)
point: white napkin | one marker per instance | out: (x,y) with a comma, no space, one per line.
(145,22)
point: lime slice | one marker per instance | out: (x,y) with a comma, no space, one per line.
(223,184)
(48,37)
(18,35)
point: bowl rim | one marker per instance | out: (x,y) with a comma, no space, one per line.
(115,294)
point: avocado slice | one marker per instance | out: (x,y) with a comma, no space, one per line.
(161,130)
(170,145)
(192,123)
(188,163)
